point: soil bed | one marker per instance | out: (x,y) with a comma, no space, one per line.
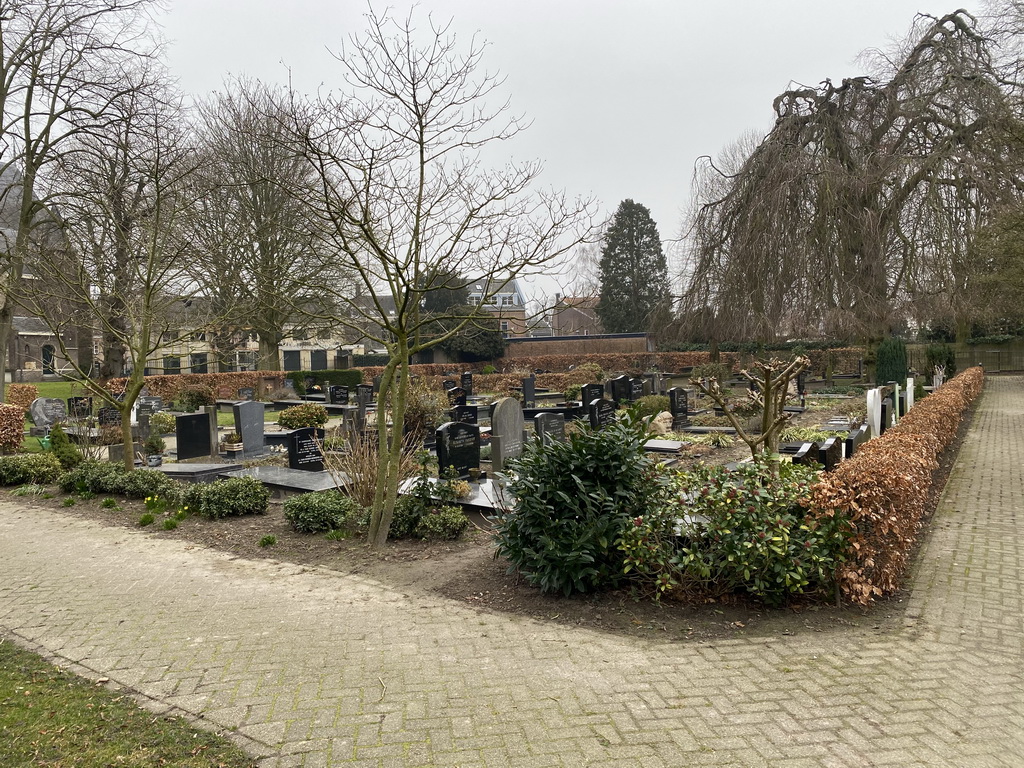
(467,572)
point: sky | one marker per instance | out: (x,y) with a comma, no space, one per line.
(623,96)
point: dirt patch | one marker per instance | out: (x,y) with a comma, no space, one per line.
(467,572)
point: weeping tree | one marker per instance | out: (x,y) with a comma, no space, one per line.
(403,195)
(858,209)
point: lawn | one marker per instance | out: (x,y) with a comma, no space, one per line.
(53,718)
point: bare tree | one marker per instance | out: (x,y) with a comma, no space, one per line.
(123,192)
(254,230)
(403,194)
(858,209)
(61,66)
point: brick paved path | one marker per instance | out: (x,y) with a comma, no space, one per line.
(293,659)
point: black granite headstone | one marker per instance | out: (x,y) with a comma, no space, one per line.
(636,389)
(456,396)
(529,392)
(449,384)
(458,446)
(466,382)
(364,394)
(678,406)
(619,388)
(467,414)
(591,392)
(886,416)
(305,449)
(830,453)
(108,416)
(80,407)
(337,394)
(192,433)
(602,413)
(246,393)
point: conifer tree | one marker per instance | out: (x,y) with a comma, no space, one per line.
(634,277)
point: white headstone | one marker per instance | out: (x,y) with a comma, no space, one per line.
(875,411)
(910,393)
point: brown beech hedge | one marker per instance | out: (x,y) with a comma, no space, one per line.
(169,386)
(884,488)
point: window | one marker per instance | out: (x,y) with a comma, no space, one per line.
(318,360)
(292,360)
(198,362)
(172,365)
(504,326)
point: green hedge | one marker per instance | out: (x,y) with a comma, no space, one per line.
(42,468)
(109,478)
(233,497)
(348,377)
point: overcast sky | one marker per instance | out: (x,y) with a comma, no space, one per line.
(624,96)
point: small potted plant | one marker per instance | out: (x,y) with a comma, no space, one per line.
(232,442)
(153,448)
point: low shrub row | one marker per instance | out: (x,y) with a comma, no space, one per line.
(233,497)
(101,477)
(347,377)
(884,487)
(323,511)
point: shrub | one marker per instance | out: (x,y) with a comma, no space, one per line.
(651,405)
(940,354)
(305,415)
(162,423)
(12,427)
(717,371)
(442,523)
(574,500)
(427,497)
(154,444)
(21,395)
(891,361)
(883,488)
(750,530)
(232,497)
(346,377)
(323,511)
(40,468)
(195,396)
(97,477)
(424,408)
(67,453)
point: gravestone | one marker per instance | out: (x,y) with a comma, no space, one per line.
(619,389)
(467,414)
(337,395)
(874,411)
(529,392)
(375,386)
(305,449)
(636,389)
(830,453)
(246,393)
(602,413)
(80,407)
(249,424)
(364,394)
(506,431)
(148,406)
(678,406)
(550,428)
(801,383)
(192,434)
(449,384)
(886,419)
(591,392)
(910,392)
(655,383)
(224,393)
(456,396)
(806,454)
(47,411)
(855,439)
(458,446)
(466,382)
(289,384)
(108,416)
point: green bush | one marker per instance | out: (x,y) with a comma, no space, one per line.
(574,500)
(323,511)
(891,361)
(67,453)
(940,354)
(305,415)
(40,468)
(162,423)
(98,477)
(750,530)
(233,497)
(651,405)
(427,497)
(442,523)
(194,397)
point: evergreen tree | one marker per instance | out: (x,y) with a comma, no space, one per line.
(634,277)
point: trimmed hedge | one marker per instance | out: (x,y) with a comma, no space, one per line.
(883,488)
(12,427)
(22,395)
(322,511)
(232,497)
(101,477)
(41,468)
(170,386)
(347,377)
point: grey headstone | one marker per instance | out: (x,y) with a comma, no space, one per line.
(305,449)
(47,411)
(192,434)
(506,431)
(458,446)
(249,424)
(246,393)
(550,427)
